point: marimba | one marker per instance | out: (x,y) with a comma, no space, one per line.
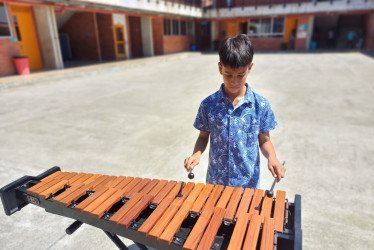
(163,214)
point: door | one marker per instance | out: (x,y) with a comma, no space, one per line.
(232,28)
(119,40)
(26,34)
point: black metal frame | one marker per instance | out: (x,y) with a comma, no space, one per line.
(14,197)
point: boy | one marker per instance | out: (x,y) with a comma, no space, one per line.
(238,121)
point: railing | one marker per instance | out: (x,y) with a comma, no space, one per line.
(244,3)
(195,3)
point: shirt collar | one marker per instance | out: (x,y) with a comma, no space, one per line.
(248,98)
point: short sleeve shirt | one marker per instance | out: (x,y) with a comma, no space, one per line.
(234,158)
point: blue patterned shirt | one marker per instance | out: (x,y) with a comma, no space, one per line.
(234,158)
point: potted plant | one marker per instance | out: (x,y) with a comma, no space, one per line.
(22,65)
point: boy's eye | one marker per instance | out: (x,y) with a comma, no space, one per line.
(241,76)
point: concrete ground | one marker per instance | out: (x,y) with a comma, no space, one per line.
(135,118)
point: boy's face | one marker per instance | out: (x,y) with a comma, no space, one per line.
(234,79)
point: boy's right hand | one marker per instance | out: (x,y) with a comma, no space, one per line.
(191,162)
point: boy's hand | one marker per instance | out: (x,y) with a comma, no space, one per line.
(276,169)
(191,162)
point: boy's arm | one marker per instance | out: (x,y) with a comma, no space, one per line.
(267,149)
(200,146)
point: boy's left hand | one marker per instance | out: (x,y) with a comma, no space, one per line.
(277,170)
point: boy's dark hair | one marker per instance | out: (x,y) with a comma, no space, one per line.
(236,52)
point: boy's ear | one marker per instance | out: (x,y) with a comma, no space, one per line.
(250,66)
(220,67)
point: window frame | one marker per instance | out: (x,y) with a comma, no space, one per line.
(270,34)
(9,23)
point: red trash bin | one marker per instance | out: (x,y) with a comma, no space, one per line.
(22,65)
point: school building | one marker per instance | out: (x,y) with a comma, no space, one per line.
(56,34)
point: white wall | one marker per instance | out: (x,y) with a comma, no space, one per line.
(147,37)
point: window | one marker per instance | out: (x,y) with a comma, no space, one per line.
(177,28)
(167,29)
(270,27)
(5,29)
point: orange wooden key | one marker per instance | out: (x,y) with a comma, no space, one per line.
(233,203)
(198,230)
(146,227)
(256,202)
(212,229)
(245,201)
(126,208)
(136,210)
(199,203)
(267,238)
(253,231)
(279,210)
(237,236)
(216,193)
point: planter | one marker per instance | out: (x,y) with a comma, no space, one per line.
(22,65)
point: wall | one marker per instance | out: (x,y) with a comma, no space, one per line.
(158,34)
(147,36)
(271,43)
(106,36)
(174,44)
(8,49)
(49,45)
(369,40)
(303,32)
(135,36)
(82,30)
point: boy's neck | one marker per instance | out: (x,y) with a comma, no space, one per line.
(236,96)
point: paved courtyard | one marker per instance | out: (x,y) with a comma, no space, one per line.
(135,118)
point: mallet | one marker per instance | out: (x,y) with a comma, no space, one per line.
(270,192)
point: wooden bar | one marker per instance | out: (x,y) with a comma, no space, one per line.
(99,200)
(199,203)
(184,194)
(155,216)
(118,181)
(106,205)
(136,210)
(54,188)
(216,193)
(160,185)
(124,183)
(150,186)
(50,177)
(245,201)
(233,204)
(253,231)
(267,238)
(181,215)
(212,229)
(237,236)
(279,210)
(197,231)
(126,208)
(165,191)
(76,177)
(174,225)
(79,181)
(68,192)
(131,185)
(138,187)
(256,202)
(267,203)
(91,198)
(225,197)
(91,179)
(163,221)
(40,187)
